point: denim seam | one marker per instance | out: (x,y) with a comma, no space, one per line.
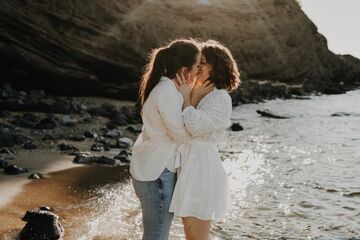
(161,213)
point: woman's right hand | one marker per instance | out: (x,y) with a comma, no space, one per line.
(181,83)
(198,93)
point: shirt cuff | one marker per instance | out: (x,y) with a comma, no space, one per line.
(188,108)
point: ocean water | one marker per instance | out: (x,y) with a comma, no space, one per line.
(296,178)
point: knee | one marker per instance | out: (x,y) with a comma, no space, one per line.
(196,230)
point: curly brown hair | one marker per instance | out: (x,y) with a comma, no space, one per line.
(224,73)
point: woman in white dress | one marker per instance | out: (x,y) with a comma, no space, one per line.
(201,192)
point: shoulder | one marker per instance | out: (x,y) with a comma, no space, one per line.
(219,95)
(165,90)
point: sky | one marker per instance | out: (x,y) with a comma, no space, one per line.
(338,21)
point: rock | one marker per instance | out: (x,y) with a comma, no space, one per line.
(27,120)
(68,121)
(46,208)
(68,106)
(25,104)
(6,87)
(49,122)
(4,114)
(129,113)
(23,94)
(13,169)
(124,156)
(99,147)
(301,97)
(88,56)
(106,110)
(21,139)
(267,113)
(76,137)
(90,134)
(133,129)
(6,138)
(340,114)
(88,159)
(3,163)
(236,127)
(41,224)
(87,118)
(48,137)
(7,151)
(36,93)
(34,176)
(67,147)
(117,120)
(31,117)
(83,158)
(114,133)
(124,142)
(105,160)
(30,145)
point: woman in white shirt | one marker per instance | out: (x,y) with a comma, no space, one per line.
(153,165)
(201,192)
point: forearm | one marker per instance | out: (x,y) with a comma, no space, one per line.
(187,102)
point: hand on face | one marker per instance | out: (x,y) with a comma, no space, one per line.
(184,85)
(191,94)
(200,92)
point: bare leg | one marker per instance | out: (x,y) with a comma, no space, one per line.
(196,229)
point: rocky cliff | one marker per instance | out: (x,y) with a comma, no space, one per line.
(100,46)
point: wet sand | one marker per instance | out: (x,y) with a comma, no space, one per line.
(67,191)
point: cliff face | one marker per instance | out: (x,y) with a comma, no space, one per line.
(100,46)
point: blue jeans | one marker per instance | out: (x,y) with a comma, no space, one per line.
(155,197)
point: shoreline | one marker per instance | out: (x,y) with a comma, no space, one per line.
(67,192)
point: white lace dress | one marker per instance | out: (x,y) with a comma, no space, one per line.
(202,189)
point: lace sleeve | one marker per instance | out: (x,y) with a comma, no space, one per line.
(212,116)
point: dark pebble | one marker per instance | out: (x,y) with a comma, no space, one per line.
(88,159)
(90,134)
(236,127)
(133,129)
(49,122)
(76,138)
(99,147)
(268,114)
(30,145)
(34,176)
(13,169)
(7,151)
(114,133)
(124,142)
(3,163)
(124,156)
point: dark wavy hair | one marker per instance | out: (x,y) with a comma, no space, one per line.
(167,61)
(224,73)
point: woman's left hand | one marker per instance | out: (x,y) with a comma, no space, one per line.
(181,83)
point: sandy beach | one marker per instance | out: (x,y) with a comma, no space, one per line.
(65,191)
(64,185)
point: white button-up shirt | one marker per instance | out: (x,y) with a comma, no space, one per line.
(162,132)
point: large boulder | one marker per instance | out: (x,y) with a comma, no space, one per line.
(41,224)
(101,46)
